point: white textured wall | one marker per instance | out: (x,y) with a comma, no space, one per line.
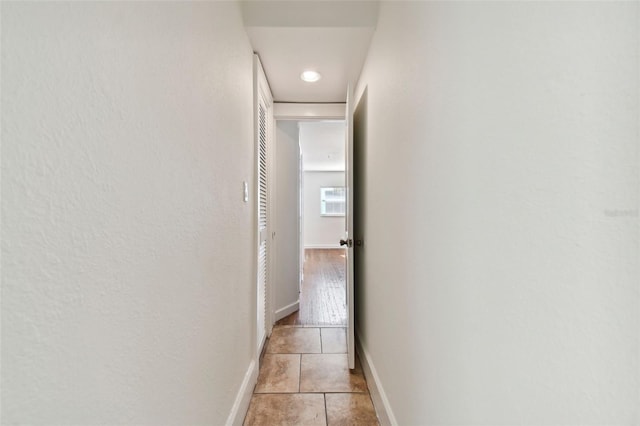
(501,241)
(287,270)
(126,246)
(320,231)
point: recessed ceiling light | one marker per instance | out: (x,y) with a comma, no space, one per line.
(310,76)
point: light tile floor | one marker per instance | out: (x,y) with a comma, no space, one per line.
(305,380)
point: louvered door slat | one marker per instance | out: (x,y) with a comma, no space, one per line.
(262,218)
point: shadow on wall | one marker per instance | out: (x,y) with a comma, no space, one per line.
(360,193)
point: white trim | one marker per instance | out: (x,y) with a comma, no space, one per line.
(294,111)
(287,310)
(243,398)
(322,246)
(378,396)
(323,171)
(262,82)
(271,205)
(262,342)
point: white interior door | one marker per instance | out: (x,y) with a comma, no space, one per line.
(262,223)
(348,241)
(301,216)
(264,193)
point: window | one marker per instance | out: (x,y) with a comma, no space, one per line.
(332,201)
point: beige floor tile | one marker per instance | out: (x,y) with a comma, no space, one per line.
(286,409)
(350,409)
(291,340)
(334,340)
(330,373)
(279,373)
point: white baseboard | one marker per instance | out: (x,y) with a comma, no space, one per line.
(322,246)
(287,310)
(378,396)
(243,398)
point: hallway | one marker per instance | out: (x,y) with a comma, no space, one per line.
(304,376)
(495,198)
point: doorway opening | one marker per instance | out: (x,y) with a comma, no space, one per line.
(321,203)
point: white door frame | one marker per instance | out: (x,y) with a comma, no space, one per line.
(317,112)
(301,112)
(306,112)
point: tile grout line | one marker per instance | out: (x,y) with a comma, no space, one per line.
(321,349)
(299,371)
(326,413)
(300,375)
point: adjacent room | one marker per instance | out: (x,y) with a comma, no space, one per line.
(313,150)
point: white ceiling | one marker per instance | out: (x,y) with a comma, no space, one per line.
(322,145)
(331,37)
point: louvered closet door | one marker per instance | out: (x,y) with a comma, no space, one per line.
(262,220)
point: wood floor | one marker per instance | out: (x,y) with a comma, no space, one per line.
(323,294)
